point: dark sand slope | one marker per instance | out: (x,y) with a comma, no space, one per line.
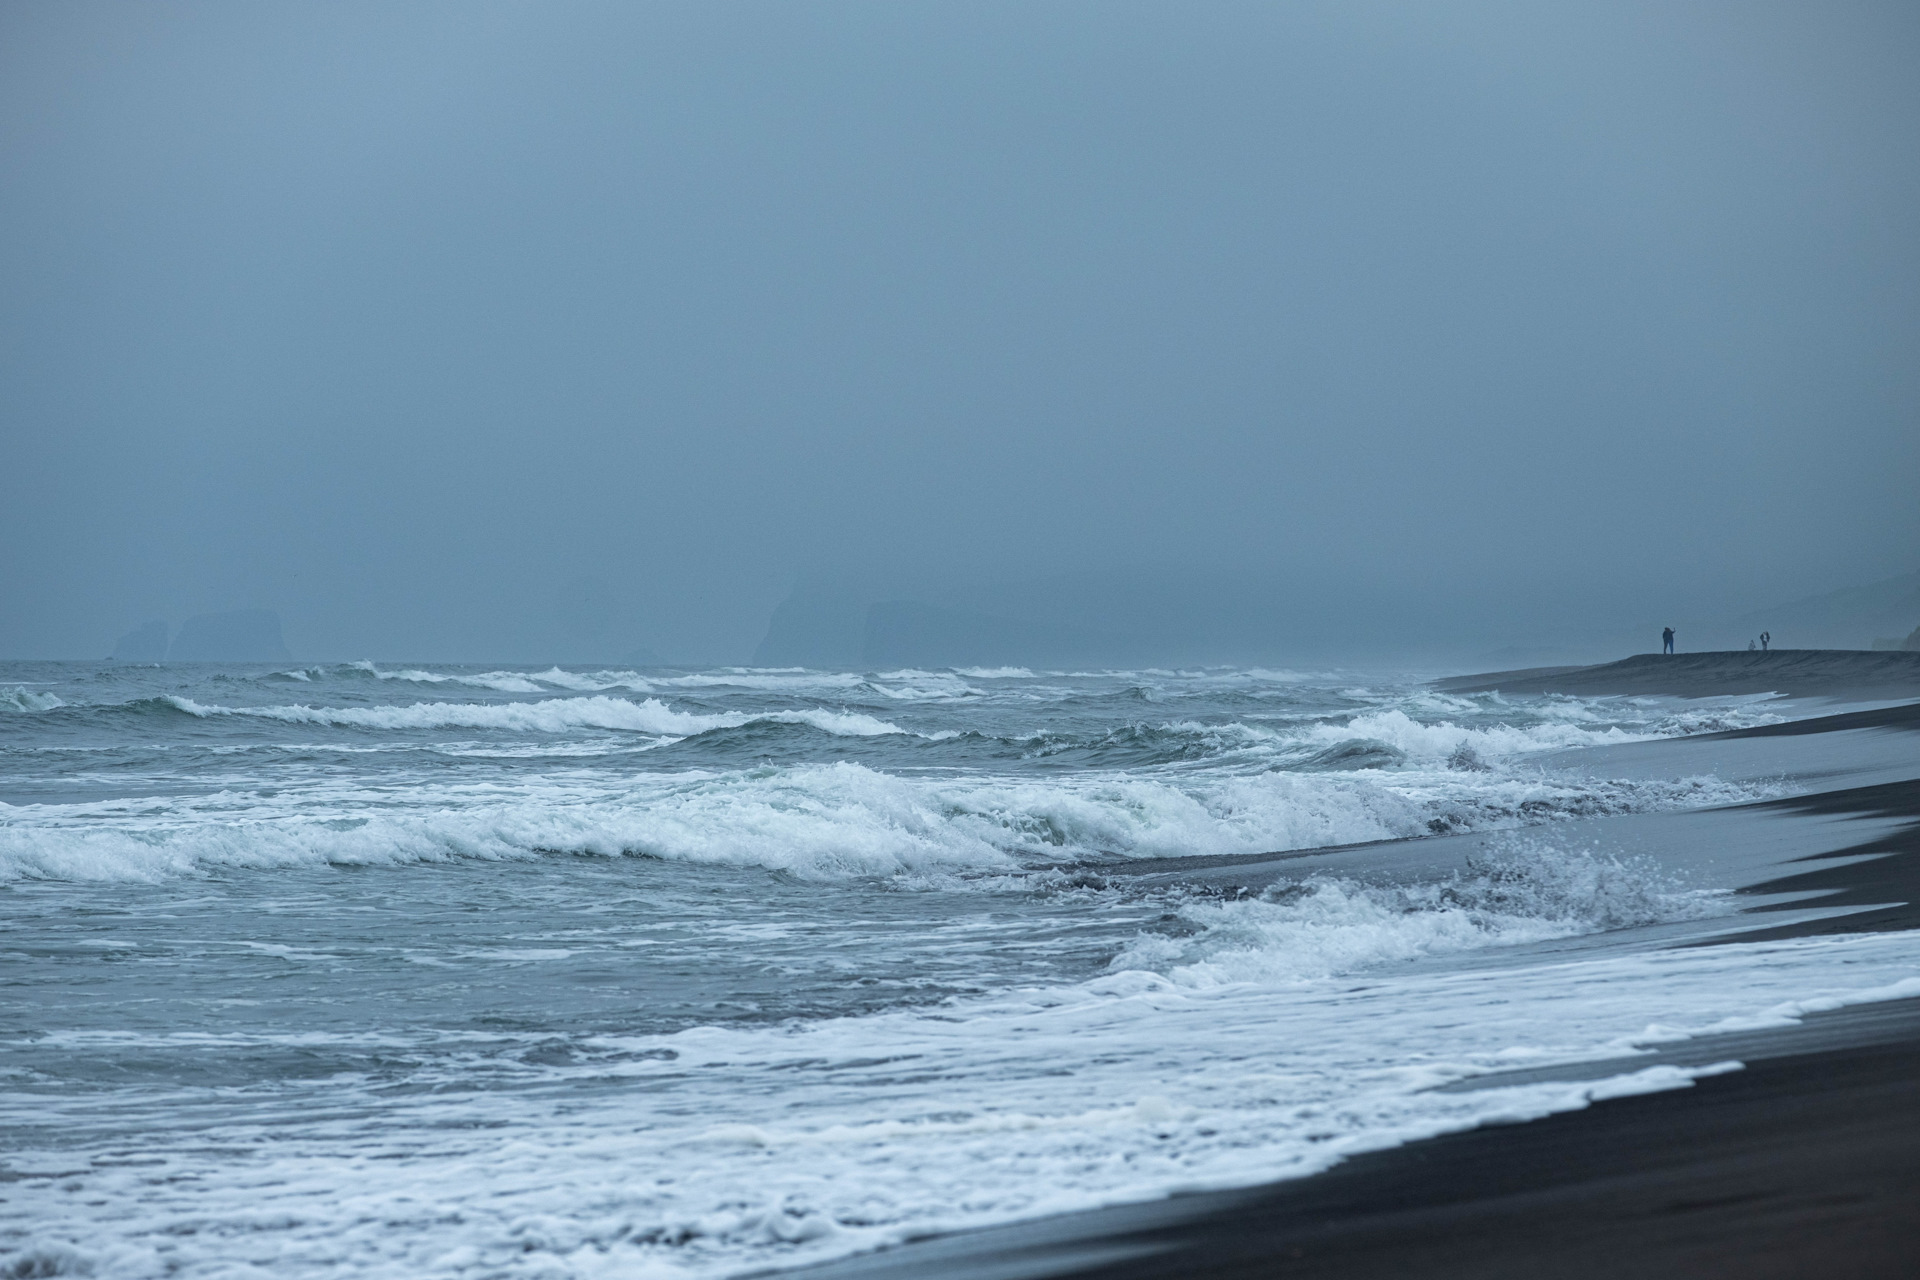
(1797,673)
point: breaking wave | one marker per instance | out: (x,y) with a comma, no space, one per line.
(1530,890)
(19,698)
(1389,739)
(909,685)
(500,681)
(822,822)
(551,715)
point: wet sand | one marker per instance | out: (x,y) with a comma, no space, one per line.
(1892,876)
(1805,1162)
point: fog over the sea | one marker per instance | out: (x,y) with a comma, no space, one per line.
(565,332)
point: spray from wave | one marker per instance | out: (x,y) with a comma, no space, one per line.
(1524,890)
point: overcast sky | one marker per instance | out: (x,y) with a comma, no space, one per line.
(535,331)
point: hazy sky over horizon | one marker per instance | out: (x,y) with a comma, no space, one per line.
(528,331)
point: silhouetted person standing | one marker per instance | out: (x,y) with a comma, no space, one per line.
(1666,640)
(1766,638)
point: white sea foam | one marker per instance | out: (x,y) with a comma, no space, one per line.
(722,1150)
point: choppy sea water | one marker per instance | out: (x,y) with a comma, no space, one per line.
(406,971)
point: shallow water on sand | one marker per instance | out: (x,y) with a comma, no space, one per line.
(453,971)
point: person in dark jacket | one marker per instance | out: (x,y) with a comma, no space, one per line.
(1666,640)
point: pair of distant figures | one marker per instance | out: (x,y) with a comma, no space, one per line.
(1666,641)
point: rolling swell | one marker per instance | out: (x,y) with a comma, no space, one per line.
(912,773)
(1531,890)
(816,821)
(549,715)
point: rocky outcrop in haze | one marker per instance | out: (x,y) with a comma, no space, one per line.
(143,644)
(245,635)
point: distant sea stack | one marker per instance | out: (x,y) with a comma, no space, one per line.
(246,635)
(145,644)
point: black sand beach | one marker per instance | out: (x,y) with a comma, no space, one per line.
(1890,876)
(1803,1162)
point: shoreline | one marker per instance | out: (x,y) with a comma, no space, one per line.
(1804,1160)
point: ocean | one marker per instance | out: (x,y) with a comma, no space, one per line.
(396,970)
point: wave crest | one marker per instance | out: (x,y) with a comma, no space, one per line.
(20,698)
(550,715)
(823,822)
